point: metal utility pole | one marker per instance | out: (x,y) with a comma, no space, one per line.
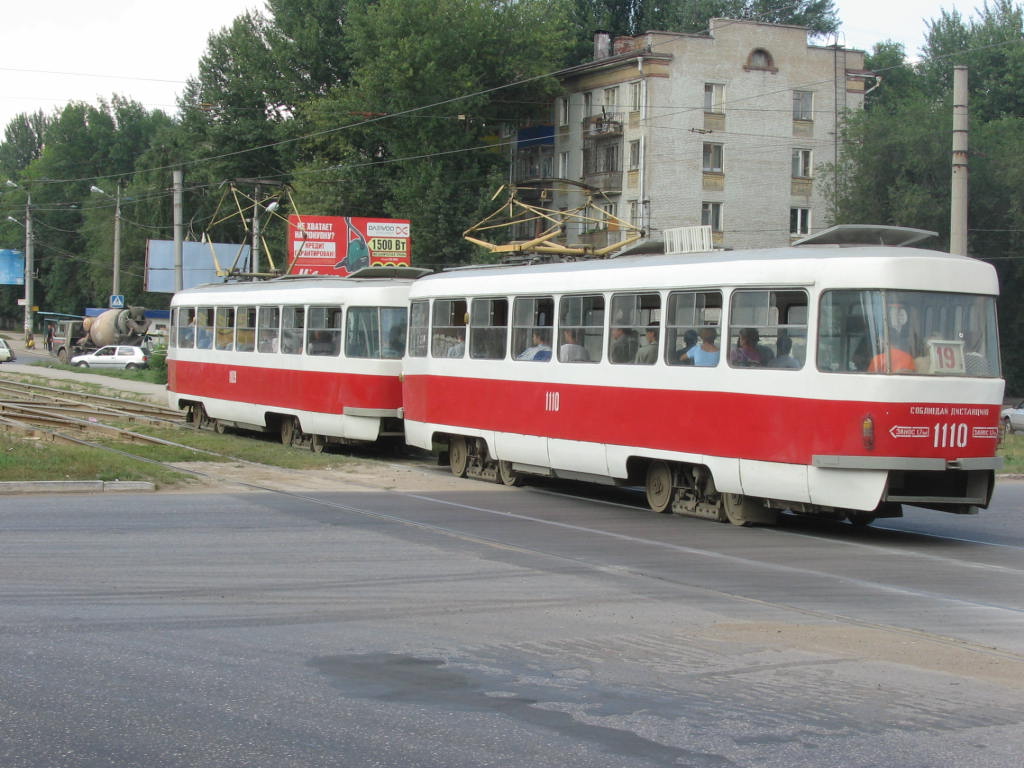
(958,196)
(254,266)
(179,228)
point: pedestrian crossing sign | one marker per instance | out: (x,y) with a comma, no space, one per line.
(117,301)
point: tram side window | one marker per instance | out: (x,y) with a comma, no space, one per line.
(581,329)
(245,333)
(204,328)
(449,328)
(692,324)
(293,324)
(635,328)
(269,329)
(419,328)
(533,318)
(768,329)
(377,332)
(488,329)
(908,332)
(225,333)
(185,321)
(393,322)
(323,331)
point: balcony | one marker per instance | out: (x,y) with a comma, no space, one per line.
(605,124)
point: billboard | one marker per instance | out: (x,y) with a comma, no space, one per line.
(338,245)
(197,265)
(12,267)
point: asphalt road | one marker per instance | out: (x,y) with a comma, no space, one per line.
(495,627)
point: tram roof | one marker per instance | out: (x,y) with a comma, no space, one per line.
(839,265)
(263,290)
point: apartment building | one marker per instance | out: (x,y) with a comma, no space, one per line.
(729,129)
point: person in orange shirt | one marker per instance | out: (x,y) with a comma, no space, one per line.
(894,360)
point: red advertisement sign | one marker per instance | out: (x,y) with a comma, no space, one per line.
(338,245)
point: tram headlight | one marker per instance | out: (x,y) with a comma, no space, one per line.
(867,432)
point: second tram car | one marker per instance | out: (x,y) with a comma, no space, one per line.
(313,359)
(824,380)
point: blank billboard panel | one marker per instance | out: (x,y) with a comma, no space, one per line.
(197,263)
(12,267)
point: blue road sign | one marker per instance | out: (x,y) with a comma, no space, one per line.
(117,301)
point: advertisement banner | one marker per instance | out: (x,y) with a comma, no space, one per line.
(197,263)
(338,245)
(12,267)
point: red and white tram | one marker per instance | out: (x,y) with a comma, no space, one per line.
(315,359)
(826,380)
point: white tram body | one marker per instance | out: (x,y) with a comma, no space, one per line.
(822,414)
(317,359)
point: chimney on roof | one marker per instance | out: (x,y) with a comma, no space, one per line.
(602,45)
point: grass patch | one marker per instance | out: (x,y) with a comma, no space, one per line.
(152,375)
(1012,451)
(31,459)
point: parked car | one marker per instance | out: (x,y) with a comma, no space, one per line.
(6,353)
(1013,417)
(113,356)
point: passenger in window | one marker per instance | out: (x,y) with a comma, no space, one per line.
(894,356)
(690,340)
(541,348)
(571,351)
(458,349)
(624,344)
(783,354)
(648,353)
(748,352)
(707,352)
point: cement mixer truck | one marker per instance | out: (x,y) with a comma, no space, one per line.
(115,326)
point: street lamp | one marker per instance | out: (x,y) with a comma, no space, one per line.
(116,283)
(29,257)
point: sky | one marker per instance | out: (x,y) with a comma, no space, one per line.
(56,51)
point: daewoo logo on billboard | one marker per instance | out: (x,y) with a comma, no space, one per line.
(339,245)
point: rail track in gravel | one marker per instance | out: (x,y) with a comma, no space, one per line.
(62,415)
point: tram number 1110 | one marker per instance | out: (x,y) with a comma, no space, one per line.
(950,435)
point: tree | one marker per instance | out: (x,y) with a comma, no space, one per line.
(411,135)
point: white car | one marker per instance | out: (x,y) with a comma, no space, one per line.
(1013,418)
(6,353)
(113,356)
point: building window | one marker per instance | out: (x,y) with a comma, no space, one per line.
(611,99)
(563,165)
(610,209)
(588,104)
(760,59)
(634,155)
(636,96)
(802,163)
(636,213)
(563,111)
(712,158)
(802,105)
(799,221)
(714,98)
(711,216)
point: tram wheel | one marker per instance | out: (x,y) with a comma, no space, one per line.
(290,431)
(659,487)
(219,427)
(317,443)
(196,415)
(507,475)
(1007,426)
(737,508)
(458,456)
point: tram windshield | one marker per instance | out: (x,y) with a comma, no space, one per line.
(908,332)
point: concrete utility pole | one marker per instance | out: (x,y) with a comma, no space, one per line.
(115,284)
(30,266)
(179,228)
(958,196)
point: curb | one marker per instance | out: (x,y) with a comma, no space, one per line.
(76,486)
